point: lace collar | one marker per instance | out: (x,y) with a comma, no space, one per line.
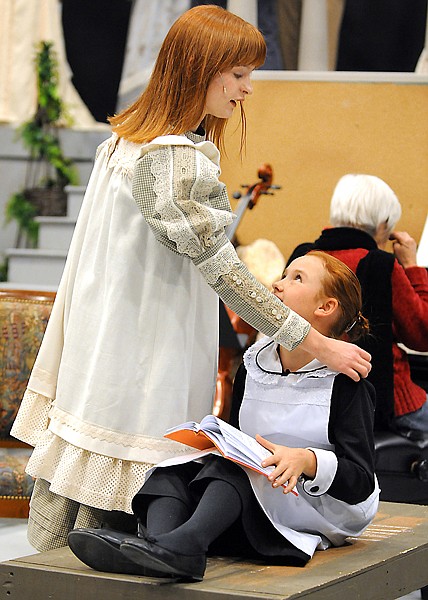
(190,138)
(122,153)
(263,364)
(196,136)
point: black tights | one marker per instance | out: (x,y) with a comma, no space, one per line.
(191,529)
(192,508)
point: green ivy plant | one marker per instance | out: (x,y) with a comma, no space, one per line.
(3,270)
(23,212)
(48,167)
(39,134)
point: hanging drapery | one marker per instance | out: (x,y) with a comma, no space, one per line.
(149,24)
(313,46)
(22,25)
(246,9)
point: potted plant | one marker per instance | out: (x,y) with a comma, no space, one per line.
(49,171)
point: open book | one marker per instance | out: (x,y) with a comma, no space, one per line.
(229,441)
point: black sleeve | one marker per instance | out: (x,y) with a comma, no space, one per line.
(237,395)
(351,432)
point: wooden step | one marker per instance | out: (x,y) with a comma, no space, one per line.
(55,233)
(35,267)
(75,195)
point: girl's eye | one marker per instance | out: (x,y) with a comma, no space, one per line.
(298,277)
(238,75)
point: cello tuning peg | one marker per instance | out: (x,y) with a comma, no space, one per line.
(276,187)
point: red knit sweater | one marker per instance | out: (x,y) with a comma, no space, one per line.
(409,325)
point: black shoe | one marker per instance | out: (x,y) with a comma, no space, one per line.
(100,550)
(147,553)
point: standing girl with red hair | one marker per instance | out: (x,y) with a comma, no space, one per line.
(131,346)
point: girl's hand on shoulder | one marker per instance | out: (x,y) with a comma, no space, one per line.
(348,358)
(289,464)
(338,355)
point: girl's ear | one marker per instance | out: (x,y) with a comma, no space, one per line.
(327,307)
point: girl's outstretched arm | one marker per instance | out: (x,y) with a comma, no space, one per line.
(190,216)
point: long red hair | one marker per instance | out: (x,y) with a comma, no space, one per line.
(202,42)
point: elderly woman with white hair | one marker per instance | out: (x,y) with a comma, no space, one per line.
(364,212)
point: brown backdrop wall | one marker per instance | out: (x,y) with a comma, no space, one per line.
(312,133)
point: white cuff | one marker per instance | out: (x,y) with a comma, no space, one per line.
(326,471)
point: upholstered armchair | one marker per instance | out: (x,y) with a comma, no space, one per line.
(23,319)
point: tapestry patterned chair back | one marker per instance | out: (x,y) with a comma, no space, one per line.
(23,319)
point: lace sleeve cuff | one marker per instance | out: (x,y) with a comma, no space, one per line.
(237,287)
(293,331)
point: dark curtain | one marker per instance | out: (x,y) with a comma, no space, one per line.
(381,35)
(95,40)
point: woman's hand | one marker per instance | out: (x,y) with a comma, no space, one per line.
(338,355)
(404,247)
(289,464)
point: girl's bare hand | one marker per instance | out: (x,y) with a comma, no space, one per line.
(289,464)
(339,356)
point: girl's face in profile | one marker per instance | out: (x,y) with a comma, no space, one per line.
(226,90)
(301,287)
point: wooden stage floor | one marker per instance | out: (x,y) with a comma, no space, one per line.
(388,561)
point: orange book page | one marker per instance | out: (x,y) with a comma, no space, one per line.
(195,439)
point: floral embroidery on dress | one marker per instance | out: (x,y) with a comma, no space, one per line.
(121,154)
(293,331)
(222,263)
(183,198)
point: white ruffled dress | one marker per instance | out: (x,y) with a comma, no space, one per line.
(131,346)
